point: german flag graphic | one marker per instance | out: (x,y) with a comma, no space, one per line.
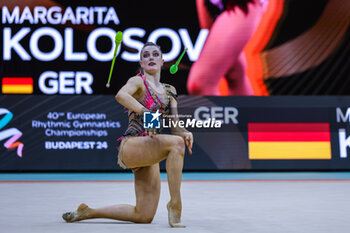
(289,141)
(17,85)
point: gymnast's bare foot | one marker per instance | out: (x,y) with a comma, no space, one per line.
(174,216)
(79,214)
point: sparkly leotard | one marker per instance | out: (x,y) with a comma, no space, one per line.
(152,102)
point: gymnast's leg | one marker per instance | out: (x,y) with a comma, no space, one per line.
(145,152)
(147,190)
(227,38)
(237,78)
(161,147)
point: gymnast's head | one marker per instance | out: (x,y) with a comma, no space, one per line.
(151,58)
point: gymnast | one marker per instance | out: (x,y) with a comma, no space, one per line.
(141,149)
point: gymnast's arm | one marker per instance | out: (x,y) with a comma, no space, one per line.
(127,95)
(182,132)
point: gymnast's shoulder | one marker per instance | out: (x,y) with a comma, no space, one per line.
(170,88)
(135,80)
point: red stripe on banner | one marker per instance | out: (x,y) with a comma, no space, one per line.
(293,132)
(288,127)
(17,81)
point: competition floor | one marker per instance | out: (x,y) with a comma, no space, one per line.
(212,202)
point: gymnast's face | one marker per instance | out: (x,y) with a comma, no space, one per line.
(151,59)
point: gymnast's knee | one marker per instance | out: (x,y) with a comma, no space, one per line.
(178,145)
(144,217)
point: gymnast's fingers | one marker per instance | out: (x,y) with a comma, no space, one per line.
(191,139)
(151,132)
(188,143)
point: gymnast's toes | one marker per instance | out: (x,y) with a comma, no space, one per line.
(76,215)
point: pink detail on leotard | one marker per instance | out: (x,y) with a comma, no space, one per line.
(148,101)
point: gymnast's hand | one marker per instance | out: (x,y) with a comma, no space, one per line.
(188,137)
(151,132)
